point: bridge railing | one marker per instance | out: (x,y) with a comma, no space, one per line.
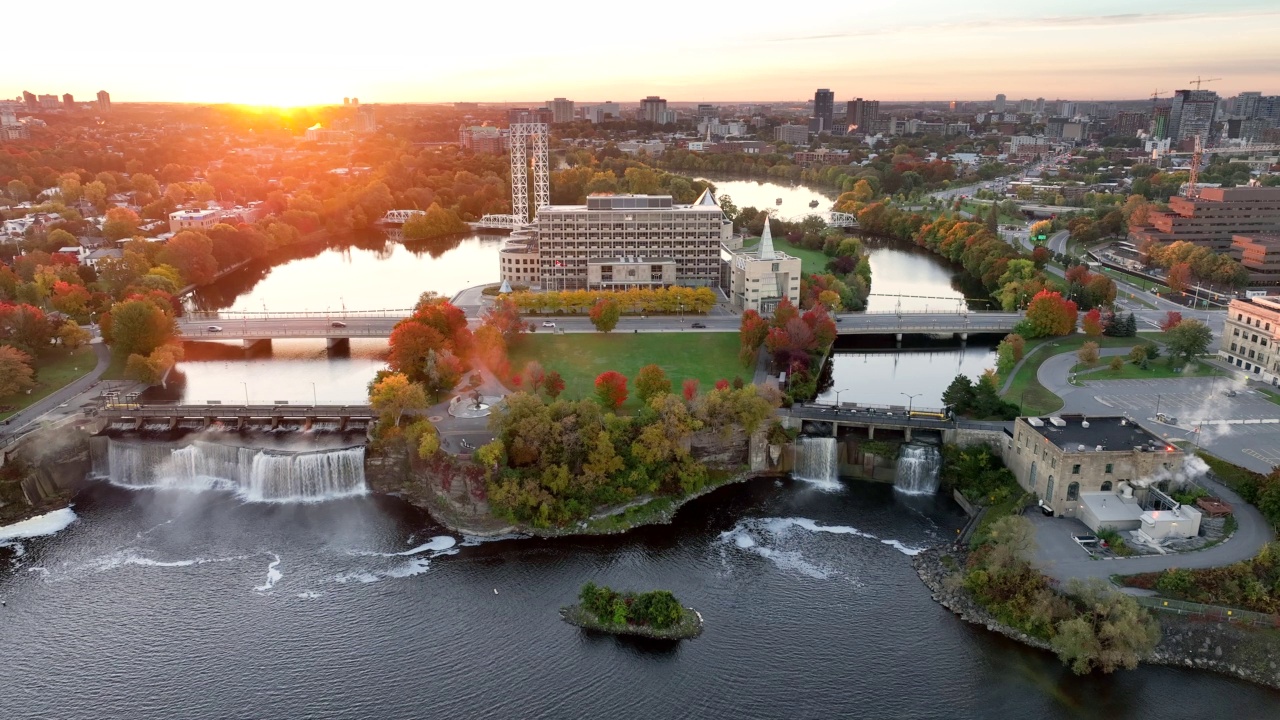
(336,314)
(232,331)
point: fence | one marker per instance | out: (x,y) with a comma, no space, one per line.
(1209,612)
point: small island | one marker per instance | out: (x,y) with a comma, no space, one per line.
(654,614)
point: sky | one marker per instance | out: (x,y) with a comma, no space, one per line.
(285,53)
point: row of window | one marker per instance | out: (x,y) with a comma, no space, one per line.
(1256,322)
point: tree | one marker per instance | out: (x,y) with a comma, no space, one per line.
(139,326)
(534,374)
(16,374)
(1111,632)
(959,394)
(611,389)
(120,223)
(605,313)
(435,222)
(1179,277)
(1091,323)
(441,372)
(1117,364)
(394,395)
(72,336)
(553,384)
(650,382)
(1088,353)
(1188,339)
(192,254)
(689,388)
(1049,314)
(410,342)
(1171,320)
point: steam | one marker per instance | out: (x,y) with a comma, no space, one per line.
(1192,471)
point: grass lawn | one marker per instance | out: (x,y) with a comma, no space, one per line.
(985,208)
(1158,369)
(1270,395)
(580,357)
(1141,282)
(811,261)
(1026,390)
(115,370)
(54,370)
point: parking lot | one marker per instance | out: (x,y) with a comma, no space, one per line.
(1190,401)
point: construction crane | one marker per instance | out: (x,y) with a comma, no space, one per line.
(1155,97)
(1197,81)
(1197,156)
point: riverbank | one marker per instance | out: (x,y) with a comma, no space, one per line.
(1251,654)
(689,627)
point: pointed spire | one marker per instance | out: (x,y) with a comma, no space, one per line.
(505,289)
(706,198)
(766,241)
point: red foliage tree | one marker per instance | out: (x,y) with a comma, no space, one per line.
(1171,320)
(752,330)
(1091,323)
(690,389)
(1179,277)
(553,384)
(785,313)
(611,389)
(1040,256)
(1050,314)
(534,373)
(410,342)
(722,384)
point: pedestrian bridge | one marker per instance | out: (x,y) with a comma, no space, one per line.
(904,323)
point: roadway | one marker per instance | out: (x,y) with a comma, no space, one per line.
(381,326)
(61,402)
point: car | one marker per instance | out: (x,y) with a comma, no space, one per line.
(1167,419)
(1085,540)
(699,326)
(214,328)
(548,323)
(337,324)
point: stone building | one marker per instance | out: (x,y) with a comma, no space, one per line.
(1250,335)
(1215,216)
(1058,458)
(760,278)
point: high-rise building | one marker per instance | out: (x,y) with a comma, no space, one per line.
(1066,108)
(1246,104)
(68,101)
(607,110)
(49,102)
(863,116)
(104,100)
(1128,123)
(1000,103)
(791,134)
(1215,216)
(346,101)
(824,102)
(651,108)
(561,110)
(1039,107)
(1160,122)
(366,121)
(1192,115)
(708,112)
(1026,105)
(618,242)
(30,100)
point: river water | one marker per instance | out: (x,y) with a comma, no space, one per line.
(375,272)
(170,604)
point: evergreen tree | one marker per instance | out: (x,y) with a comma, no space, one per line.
(1130,326)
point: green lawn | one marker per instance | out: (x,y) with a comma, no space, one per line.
(1158,369)
(1026,390)
(811,261)
(1141,282)
(54,370)
(580,357)
(973,207)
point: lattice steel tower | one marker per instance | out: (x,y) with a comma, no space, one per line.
(524,135)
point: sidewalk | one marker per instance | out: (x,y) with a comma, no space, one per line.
(70,395)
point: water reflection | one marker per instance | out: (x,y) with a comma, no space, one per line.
(875,372)
(908,278)
(763,195)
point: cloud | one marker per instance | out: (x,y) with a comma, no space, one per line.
(1049,22)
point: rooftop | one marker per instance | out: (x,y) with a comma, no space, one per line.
(1076,433)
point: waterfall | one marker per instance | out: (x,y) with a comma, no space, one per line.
(816,462)
(917,469)
(255,474)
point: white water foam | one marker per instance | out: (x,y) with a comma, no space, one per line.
(124,558)
(475,540)
(15,547)
(310,595)
(273,575)
(360,577)
(762,536)
(40,525)
(436,546)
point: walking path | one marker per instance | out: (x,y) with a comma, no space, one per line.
(69,394)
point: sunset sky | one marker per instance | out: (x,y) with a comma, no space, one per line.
(383,51)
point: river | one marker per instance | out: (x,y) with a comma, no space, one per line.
(170,604)
(373,272)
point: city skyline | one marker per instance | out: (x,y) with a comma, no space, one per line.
(1100,51)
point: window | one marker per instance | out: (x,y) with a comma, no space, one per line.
(1236,332)
(1075,469)
(1108,468)
(1073,491)
(1053,463)
(1106,486)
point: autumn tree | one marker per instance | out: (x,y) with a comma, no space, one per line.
(689,388)
(394,395)
(1179,277)
(1049,314)
(1110,631)
(1088,353)
(192,254)
(553,384)
(72,336)
(611,389)
(120,223)
(138,326)
(651,381)
(1091,323)
(534,375)
(16,374)
(751,334)
(605,314)
(435,222)
(1171,320)
(1188,339)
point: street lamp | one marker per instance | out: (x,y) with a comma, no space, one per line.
(1157,404)
(246,391)
(838,397)
(314,401)
(1021,398)
(911,398)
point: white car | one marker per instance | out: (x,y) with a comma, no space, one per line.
(548,323)
(214,328)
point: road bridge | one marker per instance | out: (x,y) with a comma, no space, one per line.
(891,417)
(346,417)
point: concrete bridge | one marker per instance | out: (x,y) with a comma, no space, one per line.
(240,417)
(893,417)
(937,323)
